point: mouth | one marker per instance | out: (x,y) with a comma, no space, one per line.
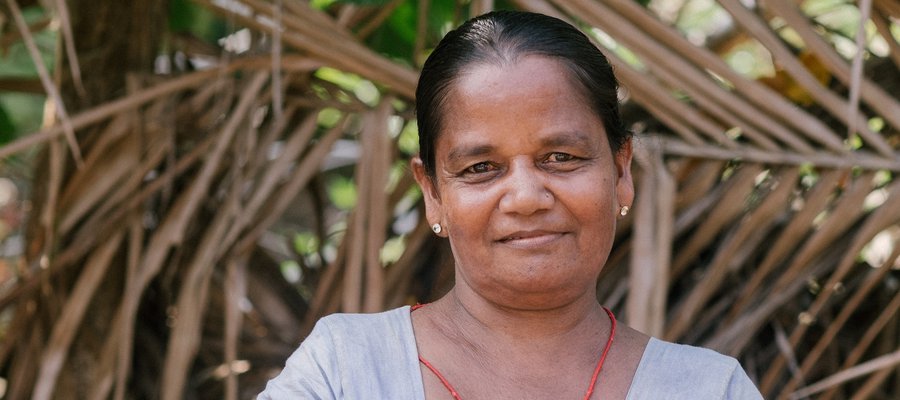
(533,238)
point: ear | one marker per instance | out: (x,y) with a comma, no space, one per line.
(624,183)
(433,209)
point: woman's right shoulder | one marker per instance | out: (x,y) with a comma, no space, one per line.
(348,354)
(361,338)
(364,324)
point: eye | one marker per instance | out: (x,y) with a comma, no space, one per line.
(560,157)
(480,168)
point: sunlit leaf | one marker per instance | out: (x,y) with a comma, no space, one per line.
(342,192)
(306,243)
(392,250)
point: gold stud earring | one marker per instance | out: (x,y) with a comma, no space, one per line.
(436,228)
(623,211)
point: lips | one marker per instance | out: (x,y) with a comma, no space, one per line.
(530,238)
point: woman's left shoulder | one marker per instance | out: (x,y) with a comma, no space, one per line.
(677,371)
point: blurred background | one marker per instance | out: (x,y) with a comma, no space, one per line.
(186,186)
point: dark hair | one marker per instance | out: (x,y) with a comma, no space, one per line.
(502,37)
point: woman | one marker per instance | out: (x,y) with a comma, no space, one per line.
(525,169)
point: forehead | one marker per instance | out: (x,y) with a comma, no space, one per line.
(527,99)
(523,75)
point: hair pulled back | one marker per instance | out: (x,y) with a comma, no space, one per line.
(500,38)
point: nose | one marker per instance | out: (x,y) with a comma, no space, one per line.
(525,190)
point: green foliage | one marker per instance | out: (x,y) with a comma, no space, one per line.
(612,45)
(291,271)
(186,16)
(7,129)
(876,124)
(751,59)
(363,89)
(21,113)
(392,250)
(321,4)
(16,62)
(883,178)
(328,117)
(854,142)
(409,138)
(24,112)
(306,243)
(837,15)
(342,192)
(366,2)
(809,176)
(397,36)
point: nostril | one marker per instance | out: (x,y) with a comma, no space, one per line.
(526,199)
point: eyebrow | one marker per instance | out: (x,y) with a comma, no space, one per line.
(563,139)
(569,139)
(469,151)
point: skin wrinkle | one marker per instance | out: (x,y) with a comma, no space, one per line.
(565,139)
(505,59)
(556,94)
(470,336)
(527,189)
(529,202)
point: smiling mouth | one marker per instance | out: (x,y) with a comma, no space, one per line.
(531,238)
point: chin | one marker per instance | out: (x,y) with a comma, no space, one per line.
(539,304)
(538,298)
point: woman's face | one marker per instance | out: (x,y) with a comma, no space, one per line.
(527,188)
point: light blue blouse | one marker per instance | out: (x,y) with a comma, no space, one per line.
(374,356)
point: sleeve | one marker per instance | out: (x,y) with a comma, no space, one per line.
(311,372)
(674,371)
(740,387)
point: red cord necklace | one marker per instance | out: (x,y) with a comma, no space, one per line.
(590,389)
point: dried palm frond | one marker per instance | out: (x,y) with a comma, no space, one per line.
(164,266)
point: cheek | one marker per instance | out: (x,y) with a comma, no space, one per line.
(594,210)
(468,211)
(595,198)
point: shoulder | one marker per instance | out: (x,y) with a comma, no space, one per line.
(678,371)
(348,355)
(362,328)
(691,359)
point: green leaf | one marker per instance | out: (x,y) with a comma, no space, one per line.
(409,138)
(306,243)
(328,117)
(342,192)
(21,113)
(186,16)
(17,62)
(321,4)
(7,129)
(392,250)
(345,80)
(397,36)
(291,271)
(366,2)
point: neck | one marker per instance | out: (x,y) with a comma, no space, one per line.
(477,317)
